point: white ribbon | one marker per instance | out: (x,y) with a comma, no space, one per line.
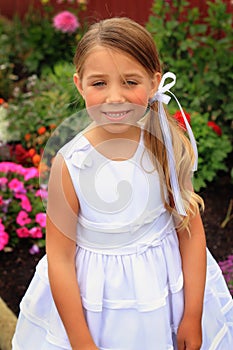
(161,97)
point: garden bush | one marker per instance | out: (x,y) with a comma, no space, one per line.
(33,115)
(213,148)
(36,86)
(37,41)
(197,48)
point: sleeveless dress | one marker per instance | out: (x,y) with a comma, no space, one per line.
(128,264)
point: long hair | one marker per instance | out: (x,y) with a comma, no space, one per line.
(129,37)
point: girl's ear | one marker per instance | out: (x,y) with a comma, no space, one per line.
(155,83)
(78,84)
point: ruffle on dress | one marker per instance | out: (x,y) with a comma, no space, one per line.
(218,310)
(129,289)
(130,280)
(39,325)
(121,286)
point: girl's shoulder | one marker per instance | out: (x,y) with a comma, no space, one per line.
(75,150)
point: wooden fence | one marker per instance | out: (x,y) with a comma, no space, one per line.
(138,10)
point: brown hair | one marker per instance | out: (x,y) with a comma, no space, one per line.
(122,34)
(131,38)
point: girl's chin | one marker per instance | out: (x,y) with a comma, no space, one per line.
(116,128)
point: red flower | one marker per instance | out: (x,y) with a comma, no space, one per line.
(215,128)
(36,159)
(179,117)
(41,130)
(27,137)
(19,153)
(31,152)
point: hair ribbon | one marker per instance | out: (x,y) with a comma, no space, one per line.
(162,97)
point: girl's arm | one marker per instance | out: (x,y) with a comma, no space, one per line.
(62,214)
(193,255)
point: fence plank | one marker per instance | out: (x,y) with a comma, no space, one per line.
(138,10)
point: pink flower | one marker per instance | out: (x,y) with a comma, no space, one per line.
(36,232)
(41,219)
(30,173)
(42,194)
(66,22)
(23,232)
(4,239)
(2,227)
(25,203)
(5,205)
(6,167)
(16,185)
(3,181)
(34,249)
(215,128)
(22,218)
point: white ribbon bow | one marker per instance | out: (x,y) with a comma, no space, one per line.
(161,97)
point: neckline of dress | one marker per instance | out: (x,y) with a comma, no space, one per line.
(118,161)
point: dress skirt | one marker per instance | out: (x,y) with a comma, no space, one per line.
(132,299)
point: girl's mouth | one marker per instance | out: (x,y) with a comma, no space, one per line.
(116,116)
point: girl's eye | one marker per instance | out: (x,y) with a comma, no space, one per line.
(98,83)
(131,82)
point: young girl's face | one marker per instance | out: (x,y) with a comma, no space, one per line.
(115,87)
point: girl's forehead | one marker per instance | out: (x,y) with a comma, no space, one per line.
(108,51)
(100,55)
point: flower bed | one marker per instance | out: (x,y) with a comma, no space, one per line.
(22,214)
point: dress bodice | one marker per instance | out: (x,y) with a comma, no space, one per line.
(114,196)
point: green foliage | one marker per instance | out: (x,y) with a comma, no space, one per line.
(198,49)
(28,46)
(44,45)
(47,101)
(212,148)
(7,78)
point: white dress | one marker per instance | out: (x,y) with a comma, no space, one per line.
(128,265)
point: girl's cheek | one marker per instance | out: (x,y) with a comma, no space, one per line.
(141,98)
(93,98)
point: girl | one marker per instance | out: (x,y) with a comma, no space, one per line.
(126,265)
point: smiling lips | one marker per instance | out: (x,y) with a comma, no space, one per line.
(116,116)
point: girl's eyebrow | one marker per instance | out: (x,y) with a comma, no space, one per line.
(127,75)
(96,76)
(133,75)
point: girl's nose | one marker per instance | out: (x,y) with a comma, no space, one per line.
(115,95)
